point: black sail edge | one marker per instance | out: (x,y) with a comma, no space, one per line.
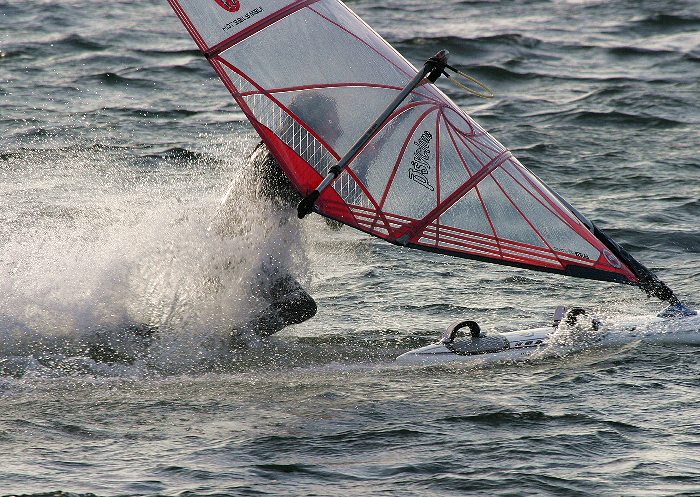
(651,284)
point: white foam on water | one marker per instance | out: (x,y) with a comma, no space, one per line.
(94,247)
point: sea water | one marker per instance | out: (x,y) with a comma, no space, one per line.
(117,143)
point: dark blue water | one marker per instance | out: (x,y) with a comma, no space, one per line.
(117,141)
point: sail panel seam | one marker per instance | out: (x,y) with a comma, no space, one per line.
(257,27)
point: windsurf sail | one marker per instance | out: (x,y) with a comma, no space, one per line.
(311,77)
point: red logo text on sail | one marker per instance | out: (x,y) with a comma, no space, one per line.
(230,5)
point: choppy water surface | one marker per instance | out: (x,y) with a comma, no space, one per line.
(117,142)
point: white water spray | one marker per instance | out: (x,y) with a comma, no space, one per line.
(97,249)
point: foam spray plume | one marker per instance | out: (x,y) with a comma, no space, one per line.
(110,259)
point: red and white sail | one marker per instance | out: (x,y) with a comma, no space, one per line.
(312,76)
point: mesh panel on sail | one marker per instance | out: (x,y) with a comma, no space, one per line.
(241,84)
(291,132)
